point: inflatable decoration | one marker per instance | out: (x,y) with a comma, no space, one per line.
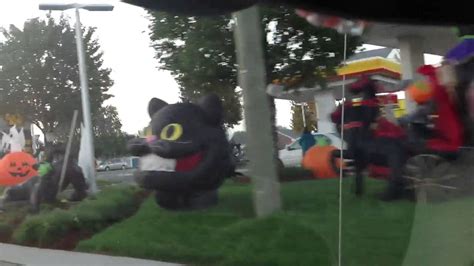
(420,91)
(17,168)
(17,139)
(14,141)
(188,155)
(5,143)
(359,119)
(44,168)
(322,162)
(464,50)
(449,130)
(44,185)
(352,27)
(452,72)
(13,119)
(153,162)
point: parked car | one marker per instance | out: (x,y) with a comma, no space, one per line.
(131,162)
(113,164)
(292,155)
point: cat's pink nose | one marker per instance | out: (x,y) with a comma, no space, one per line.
(151,138)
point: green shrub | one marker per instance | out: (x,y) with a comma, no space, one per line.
(295,172)
(91,215)
(56,223)
(28,230)
(5,229)
(104,183)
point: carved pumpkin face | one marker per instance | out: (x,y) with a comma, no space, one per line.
(16,168)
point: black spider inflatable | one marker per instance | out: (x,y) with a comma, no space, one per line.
(188,157)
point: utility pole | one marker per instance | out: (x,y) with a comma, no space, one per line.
(252,79)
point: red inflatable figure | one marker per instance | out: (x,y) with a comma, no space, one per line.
(448,131)
(358,117)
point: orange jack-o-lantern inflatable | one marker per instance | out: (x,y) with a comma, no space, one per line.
(16,168)
(320,160)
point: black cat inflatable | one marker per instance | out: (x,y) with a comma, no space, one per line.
(188,156)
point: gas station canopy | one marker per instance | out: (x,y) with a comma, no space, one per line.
(434,39)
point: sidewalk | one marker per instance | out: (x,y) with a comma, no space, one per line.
(13,255)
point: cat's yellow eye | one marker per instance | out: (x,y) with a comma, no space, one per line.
(171,132)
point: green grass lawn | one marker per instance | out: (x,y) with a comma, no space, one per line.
(442,234)
(304,233)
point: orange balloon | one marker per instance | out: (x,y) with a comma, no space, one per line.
(420,92)
(16,168)
(318,160)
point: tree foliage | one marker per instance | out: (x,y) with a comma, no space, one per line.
(200,52)
(106,121)
(110,140)
(39,76)
(108,146)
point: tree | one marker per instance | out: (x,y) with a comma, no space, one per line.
(39,76)
(107,146)
(200,53)
(106,121)
(110,140)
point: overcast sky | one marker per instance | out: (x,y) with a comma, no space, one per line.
(123,34)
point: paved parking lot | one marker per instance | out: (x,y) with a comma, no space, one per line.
(125,176)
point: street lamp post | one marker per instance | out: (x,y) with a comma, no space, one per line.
(303,113)
(81,55)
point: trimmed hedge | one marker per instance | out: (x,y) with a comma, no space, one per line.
(89,216)
(5,230)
